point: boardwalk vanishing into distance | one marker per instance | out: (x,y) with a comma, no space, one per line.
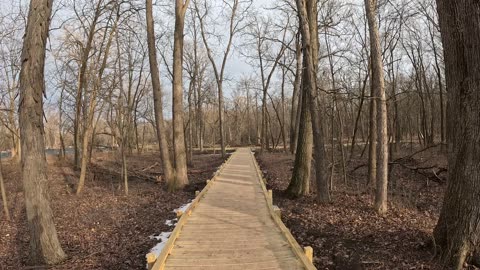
(233,225)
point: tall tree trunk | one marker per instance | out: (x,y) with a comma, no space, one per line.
(397,128)
(263,134)
(300,181)
(124,170)
(457,233)
(359,112)
(378,85)
(372,143)
(307,13)
(179,149)
(283,124)
(257,123)
(296,96)
(44,244)
(221,118)
(61,152)
(157,98)
(4,194)
(247,90)
(438,72)
(201,121)
(191,117)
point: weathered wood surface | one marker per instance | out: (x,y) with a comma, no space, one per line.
(232,225)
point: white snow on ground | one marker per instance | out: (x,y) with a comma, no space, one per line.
(171,222)
(157,249)
(163,236)
(183,208)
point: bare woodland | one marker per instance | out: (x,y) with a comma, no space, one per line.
(350,94)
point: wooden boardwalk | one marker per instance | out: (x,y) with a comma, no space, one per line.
(232,225)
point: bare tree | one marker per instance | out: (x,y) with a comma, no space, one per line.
(44,244)
(82,76)
(237,16)
(263,39)
(179,149)
(378,86)
(89,123)
(10,47)
(157,97)
(307,13)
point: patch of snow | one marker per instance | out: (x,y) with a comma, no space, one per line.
(183,208)
(163,238)
(171,222)
(157,249)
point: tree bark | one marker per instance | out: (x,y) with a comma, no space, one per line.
(294,120)
(307,13)
(378,84)
(44,244)
(300,181)
(457,234)
(438,72)
(180,154)
(157,97)
(4,195)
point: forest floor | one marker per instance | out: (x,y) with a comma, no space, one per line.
(347,234)
(101,228)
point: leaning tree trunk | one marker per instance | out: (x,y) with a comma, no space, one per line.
(457,233)
(378,85)
(44,244)
(157,98)
(181,178)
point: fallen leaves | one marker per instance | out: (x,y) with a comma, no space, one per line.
(348,234)
(102,228)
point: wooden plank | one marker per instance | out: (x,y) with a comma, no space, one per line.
(259,252)
(252,260)
(257,266)
(229,235)
(278,241)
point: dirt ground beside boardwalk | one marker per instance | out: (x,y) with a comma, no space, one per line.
(102,228)
(348,234)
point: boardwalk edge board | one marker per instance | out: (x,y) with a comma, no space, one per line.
(297,249)
(159,263)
